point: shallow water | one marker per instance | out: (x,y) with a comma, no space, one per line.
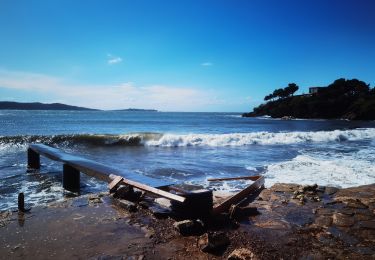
(183,148)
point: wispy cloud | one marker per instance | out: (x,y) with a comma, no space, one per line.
(113,59)
(207,64)
(125,95)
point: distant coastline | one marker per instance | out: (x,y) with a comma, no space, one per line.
(10,105)
(136,110)
(40,106)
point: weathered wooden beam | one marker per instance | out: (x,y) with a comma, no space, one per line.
(112,186)
(21,202)
(253,178)
(152,190)
(239,196)
(33,159)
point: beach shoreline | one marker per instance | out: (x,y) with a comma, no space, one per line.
(292,223)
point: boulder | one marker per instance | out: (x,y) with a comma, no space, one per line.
(128,205)
(127,192)
(189,227)
(213,242)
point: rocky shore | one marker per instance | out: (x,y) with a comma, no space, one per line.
(285,221)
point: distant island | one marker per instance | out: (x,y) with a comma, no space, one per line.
(40,106)
(343,99)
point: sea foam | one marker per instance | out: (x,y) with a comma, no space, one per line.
(331,169)
(261,138)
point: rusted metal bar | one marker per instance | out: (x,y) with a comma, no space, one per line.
(239,196)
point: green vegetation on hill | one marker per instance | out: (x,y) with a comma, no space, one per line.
(349,99)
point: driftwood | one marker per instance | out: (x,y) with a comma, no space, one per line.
(112,186)
(224,206)
(150,189)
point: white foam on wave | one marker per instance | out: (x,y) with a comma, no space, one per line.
(332,170)
(262,138)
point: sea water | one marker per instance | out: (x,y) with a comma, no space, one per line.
(183,148)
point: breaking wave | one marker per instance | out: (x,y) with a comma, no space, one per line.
(178,140)
(261,138)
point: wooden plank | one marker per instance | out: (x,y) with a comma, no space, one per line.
(153,190)
(253,178)
(239,196)
(114,183)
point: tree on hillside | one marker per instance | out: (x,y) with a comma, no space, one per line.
(282,92)
(268,97)
(291,89)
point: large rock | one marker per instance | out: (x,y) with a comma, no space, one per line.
(127,192)
(189,227)
(242,254)
(213,242)
(125,204)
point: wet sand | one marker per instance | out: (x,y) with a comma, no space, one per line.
(291,224)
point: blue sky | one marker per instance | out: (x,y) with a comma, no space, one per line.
(180,55)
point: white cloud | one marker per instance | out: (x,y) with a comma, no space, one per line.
(113,59)
(207,64)
(161,97)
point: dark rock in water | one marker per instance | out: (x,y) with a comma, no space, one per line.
(128,205)
(127,192)
(310,188)
(189,227)
(213,242)
(160,212)
(242,254)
